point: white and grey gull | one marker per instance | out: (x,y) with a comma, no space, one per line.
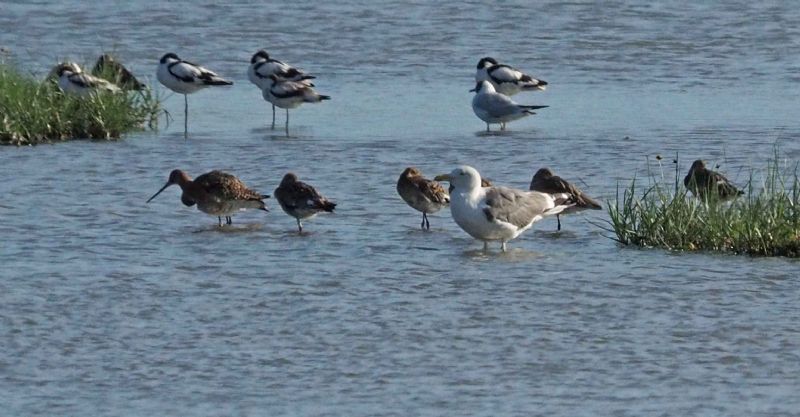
(495,108)
(497,213)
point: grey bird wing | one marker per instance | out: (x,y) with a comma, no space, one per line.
(517,207)
(497,105)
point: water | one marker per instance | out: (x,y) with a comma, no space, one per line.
(110,306)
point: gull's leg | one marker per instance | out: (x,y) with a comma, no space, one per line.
(503,245)
(299,226)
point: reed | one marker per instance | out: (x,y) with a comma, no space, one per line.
(763,222)
(34,112)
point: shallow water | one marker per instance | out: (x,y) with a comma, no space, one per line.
(110,306)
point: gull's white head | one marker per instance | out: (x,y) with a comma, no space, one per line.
(463,178)
(484,87)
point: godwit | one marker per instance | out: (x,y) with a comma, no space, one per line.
(290,94)
(497,213)
(421,194)
(262,66)
(545,182)
(493,107)
(505,79)
(185,78)
(300,200)
(72,80)
(703,183)
(216,193)
(107,66)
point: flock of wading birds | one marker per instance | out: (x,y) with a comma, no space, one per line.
(486,212)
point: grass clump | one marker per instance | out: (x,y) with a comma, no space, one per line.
(763,222)
(33,112)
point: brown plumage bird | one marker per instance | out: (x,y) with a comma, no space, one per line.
(704,183)
(422,194)
(115,72)
(545,182)
(301,200)
(216,193)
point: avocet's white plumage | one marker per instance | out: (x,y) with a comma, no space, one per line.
(72,80)
(497,213)
(262,67)
(493,107)
(290,94)
(184,77)
(506,79)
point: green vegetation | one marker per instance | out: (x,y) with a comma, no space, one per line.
(763,222)
(33,112)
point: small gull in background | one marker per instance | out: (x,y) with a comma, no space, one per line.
(705,183)
(497,213)
(506,79)
(216,193)
(493,107)
(72,80)
(421,194)
(545,182)
(290,94)
(262,66)
(301,200)
(185,78)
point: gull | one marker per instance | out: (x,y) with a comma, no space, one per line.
(107,66)
(262,66)
(705,183)
(545,182)
(185,78)
(421,194)
(72,80)
(506,79)
(290,94)
(493,107)
(216,193)
(497,213)
(301,200)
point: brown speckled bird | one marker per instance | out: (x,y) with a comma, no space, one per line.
(421,194)
(545,182)
(216,193)
(301,200)
(700,180)
(107,66)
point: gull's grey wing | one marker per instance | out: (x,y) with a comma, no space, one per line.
(497,105)
(517,207)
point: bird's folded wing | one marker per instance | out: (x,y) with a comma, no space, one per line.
(516,207)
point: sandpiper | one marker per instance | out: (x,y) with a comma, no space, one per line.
(422,194)
(301,200)
(216,193)
(705,183)
(184,77)
(545,182)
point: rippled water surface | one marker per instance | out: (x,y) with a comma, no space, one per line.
(110,306)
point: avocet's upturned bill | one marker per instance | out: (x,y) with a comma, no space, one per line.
(495,108)
(290,94)
(72,80)
(262,67)
(184,77)
(506,79)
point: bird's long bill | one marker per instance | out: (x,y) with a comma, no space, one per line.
(159,191)
(442,177)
